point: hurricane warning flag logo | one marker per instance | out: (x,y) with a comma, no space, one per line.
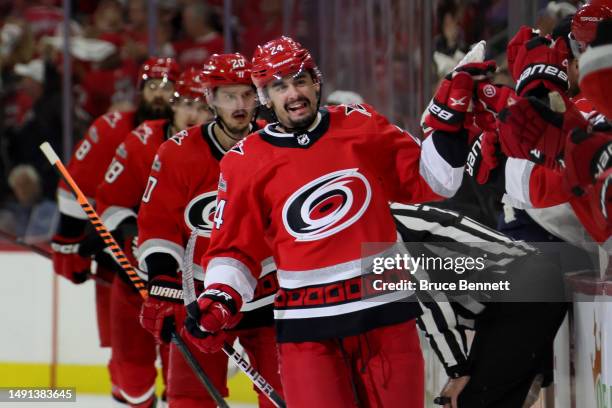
(327,205)
(200,213)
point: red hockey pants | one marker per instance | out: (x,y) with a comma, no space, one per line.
(380,368)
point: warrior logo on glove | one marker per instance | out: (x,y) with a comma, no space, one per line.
(327,205)
(200,213)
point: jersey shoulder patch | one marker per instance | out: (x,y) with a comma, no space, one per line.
(355,108)
(178,137)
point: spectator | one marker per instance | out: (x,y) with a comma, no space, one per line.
(43,122)
(449,45)
(201,40)
(552,14)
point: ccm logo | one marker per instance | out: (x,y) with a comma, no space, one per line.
(542,69)
(438,111)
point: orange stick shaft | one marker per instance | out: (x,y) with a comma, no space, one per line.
(93,216)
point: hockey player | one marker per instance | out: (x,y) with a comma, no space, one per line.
(117,200)
(180,199)
(87,166)
(314,187)
(536,137)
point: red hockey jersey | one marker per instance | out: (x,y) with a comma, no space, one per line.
(91,158)
(125,180)
(181,197)
(314,198)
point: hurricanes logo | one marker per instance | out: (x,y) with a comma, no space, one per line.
(200,212)
(327,205)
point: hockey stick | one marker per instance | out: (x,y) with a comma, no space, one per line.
(193,311)
(47,254)
(122,260)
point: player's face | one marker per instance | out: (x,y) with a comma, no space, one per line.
(294,99)
(156,93)
(188,113)
(235,105)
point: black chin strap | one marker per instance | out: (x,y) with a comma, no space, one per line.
(221,125)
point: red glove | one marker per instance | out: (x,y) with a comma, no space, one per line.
(447,110)
(588,155)
(540,69)
(490,100)
(517,42)
(529,129)
(483,157)
(66,260)
(164,302)
(219,309)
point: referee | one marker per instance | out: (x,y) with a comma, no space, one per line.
(514,330)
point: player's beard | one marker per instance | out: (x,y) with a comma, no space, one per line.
(301,124)
(158,109)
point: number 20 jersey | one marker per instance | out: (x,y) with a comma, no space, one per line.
(181,197)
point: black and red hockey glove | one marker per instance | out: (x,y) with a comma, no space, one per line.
(158,312)
(588,156)
(66,259)
(219,309)
(524,34)
(447,110)
(65,245)
(530,129)
(540,69)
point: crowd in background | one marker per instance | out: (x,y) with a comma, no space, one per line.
(109,39)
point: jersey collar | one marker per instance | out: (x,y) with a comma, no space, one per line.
(215,147)
(301,140)
(209,136)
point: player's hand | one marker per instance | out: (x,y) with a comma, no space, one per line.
(66,260)
(158,311)
(219,309)
(453,388)
(587,157)
(531,130)
(126,237)
(540,69)
(524,34)
(447,110)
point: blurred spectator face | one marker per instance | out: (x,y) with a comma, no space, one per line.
(271,7)
(235,105)
(108,17)
(137,13)
(195,20)
(450,28)
(188,113)
(25,183)
(155,101)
